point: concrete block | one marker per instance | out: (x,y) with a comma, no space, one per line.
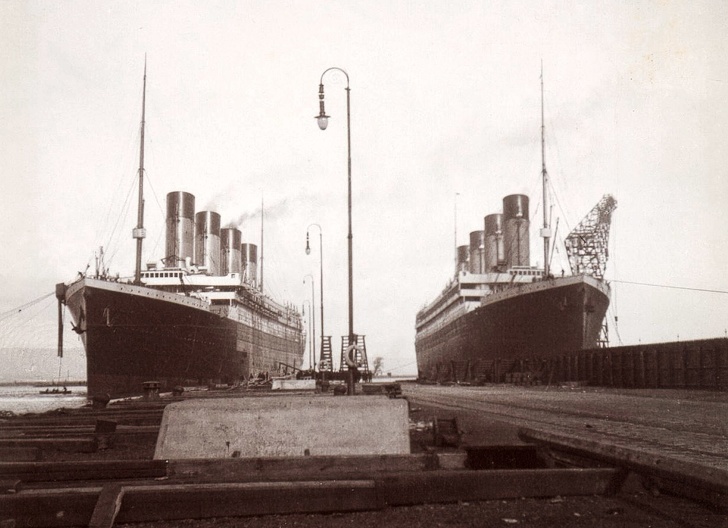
(289,384)
(316,425)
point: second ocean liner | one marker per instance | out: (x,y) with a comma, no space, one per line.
(499,308)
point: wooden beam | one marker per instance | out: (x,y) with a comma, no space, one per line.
(197,501)
(74,507)
(10,486)
(51,508)
(74,445)
(702,475)
(303,468)
(121,416)
(83,470)
(453,486)
(231,469)
(163,501)
(107,507)
(20,454)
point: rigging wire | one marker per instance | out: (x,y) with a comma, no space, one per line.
(554,196)
(115,232)
(15,311)
(161,231)
(552,181)
(613,305)
(107,229)
(31,326)
(613,318)
(667,286)
(113,244)
(132,139)
(148,179)
(400,367)
(554,143)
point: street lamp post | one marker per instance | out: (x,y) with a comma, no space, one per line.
(312,355)
(321,278)
(310,335)
(323,121)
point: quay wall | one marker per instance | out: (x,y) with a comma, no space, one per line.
(699,364)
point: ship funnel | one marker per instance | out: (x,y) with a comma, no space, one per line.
(494,254)
(207,241)
(476,251)
(180,228)
(250,263)
(516,241)
(463,258)
(230,257)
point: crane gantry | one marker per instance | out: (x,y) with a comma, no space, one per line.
(587,246)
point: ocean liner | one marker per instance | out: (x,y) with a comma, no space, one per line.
(498,308)
(197,317)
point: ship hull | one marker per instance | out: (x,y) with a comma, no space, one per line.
(540,320)
(133,334)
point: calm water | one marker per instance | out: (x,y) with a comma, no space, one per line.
(21,399)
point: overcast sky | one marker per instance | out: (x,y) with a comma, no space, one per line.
(445,99)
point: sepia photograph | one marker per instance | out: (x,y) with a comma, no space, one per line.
(363,263)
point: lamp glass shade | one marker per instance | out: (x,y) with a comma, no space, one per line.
(323,122)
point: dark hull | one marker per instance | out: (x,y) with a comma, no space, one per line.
(538,321)
(134,334)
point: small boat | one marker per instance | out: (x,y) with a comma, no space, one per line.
(56,390)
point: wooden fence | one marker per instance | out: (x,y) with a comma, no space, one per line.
(701,364)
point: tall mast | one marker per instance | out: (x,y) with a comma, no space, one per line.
(545,232)
(455,223)
(262,217)
(139,232)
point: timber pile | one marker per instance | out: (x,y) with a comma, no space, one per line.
(102,493)
(94,468)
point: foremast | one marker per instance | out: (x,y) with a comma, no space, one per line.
(139,232)
(546,230)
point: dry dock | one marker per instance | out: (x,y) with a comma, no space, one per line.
(489,455)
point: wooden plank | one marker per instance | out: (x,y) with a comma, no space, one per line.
(226,470)
(74,507)
(122,436)
(161,501)
(26,431)
(20,454)
(75,445)
(125,417)
(50,508)
(10,486)
(83,470)
(107,507)
(300,468)
(453,486)
(710,478)
(170,502)
(231,469)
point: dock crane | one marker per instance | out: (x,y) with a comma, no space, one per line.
(587,246)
